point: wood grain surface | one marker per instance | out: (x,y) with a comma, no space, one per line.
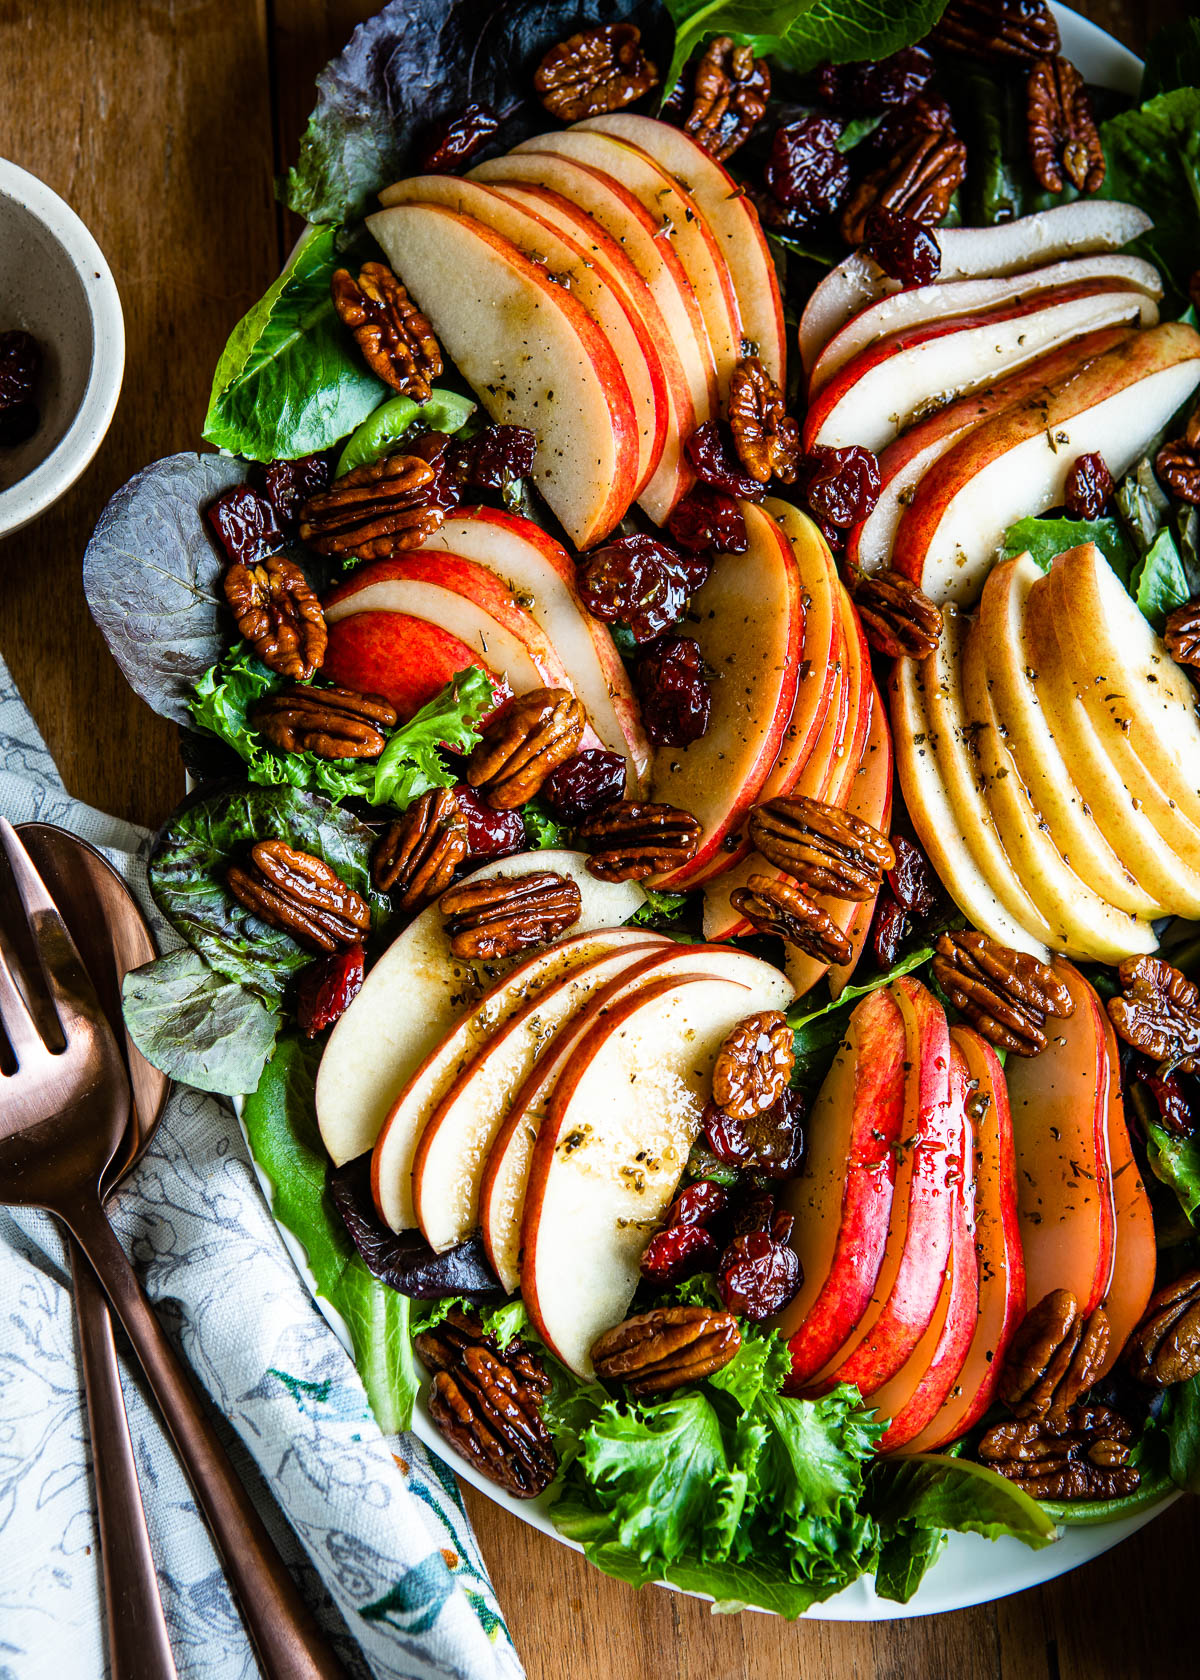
(163,123)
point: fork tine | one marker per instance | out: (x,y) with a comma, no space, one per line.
(19,1025)
(67,979)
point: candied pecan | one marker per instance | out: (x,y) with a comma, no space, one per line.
(1080,1453)
(1165,1347)
(897,616)
(455,139)
(629,840)
(826,849)
(766,437)
(417,855)
(665,1348)
(598,70)
(1012,29)
(918,183)
(1182,634)
(533,735)
(442,1347)
(279,615)
(374,512)
(301,894)
(1061,131)
(396,340)
(1178,463)
(754,1064)
(1005,994)
(1054,1356)
(330,723)
(784,909)
(1158,1012)
(490,1411)
(731,92)
(504,914)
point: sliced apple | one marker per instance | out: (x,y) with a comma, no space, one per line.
(1013,247)
(414,993)
(1016,463)
(842,1200)
(532,354)
(733,218)
(749,622)
(1135,1251)
(887,386)
(408,660)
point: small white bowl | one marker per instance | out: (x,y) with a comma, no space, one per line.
(55,283)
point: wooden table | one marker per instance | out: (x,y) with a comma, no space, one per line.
(164,125)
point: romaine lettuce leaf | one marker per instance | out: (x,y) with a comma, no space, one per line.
(934,1490)
(1153,156)
(1045,539)
(1175,1161)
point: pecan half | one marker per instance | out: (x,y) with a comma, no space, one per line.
(598,70)
(1182,631)
(731,91)
(417,855)
(897,616)
(396,340)
(918,182)
(301,895)
(784,909)
(1080,1453)
(766,436)
(1054,1357)
(278,614)
(331,723)
(1178,463)
(1007,29)
(663,1349)
(826,849)
(504,914)
(1158,1012)
(374,512)
(533,735)
(442,1348)
(754,1065)
(1165,1347)
(629,840)
(1005,994)
(1061,131)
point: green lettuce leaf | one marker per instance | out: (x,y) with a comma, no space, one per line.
(934,1490)
(1142,505)
(759,1368)
(280,1121)
(905,1558)
(381,431)
(196,1026)
(1165,579)
(542,827)
(818,1031)
(1175,1161)
(1045,539)
(1181,1421)
(661,909)
(812,1476)
(1153,156)
(1173,58)
(290,380)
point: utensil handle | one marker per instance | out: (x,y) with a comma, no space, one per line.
(138,1645)
(286,1639)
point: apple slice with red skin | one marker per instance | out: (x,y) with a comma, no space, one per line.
(882,389)
(532,354)
(406,660)
(1059,1103)
(1135,1251)
(842,1199)
(1001,1264)
(539,571)
(1014,247)
(748,619)
(733,218)
(506,1169)
(1016,464)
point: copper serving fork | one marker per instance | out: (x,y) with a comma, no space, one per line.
(63,1115)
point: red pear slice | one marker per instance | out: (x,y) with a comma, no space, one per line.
(1135,1251)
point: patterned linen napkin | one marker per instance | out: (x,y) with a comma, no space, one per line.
(375,1527)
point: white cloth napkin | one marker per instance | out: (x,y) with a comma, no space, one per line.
(374,1527)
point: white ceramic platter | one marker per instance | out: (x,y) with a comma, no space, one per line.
(971,1570)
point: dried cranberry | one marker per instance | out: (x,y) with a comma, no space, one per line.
(699,1204)
(584,784)
(286,484)
(490,834)
(326,989)
(889,924)
(677,1253)
(18,424)
(806,171)
(450,142)
(902,248)
(495,457)
(674,691)
(244,523)
(725,1136)
(713,456)
(911,878)
(1089,487)
(758,1275)
(1169,1096)
(445,488)
(636,581)
(707,518)
(877,85)
(776,1137)
(841,485)
(20,364)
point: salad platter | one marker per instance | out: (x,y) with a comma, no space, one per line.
(683,653)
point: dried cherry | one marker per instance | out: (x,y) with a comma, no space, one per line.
(806,172)
(876,85)
(584,784)
(911,877)
(1089,487)
(841,485)
(713,456)
(494,457)
(455,139)
(771,1143)
(678,1252)
(674,690)
(699,1204)
(759,1273)
(490,834)
(707,518)
(725,1136)
(889,923)
(286,484)
(445,488)
(1169,1095)
(244,523)
(636,581)
(902,247)
(20,364)
(327,987)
